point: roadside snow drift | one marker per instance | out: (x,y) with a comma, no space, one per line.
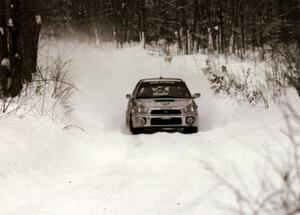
(97,167)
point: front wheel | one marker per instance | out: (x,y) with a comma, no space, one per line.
(133,130)
(190,130)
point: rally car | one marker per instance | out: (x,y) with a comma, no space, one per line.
(162,104)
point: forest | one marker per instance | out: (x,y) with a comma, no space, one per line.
(229,25)
(222,26)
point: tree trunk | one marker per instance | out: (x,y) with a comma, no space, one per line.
(3,31)
(178,29)
(242,28)
(195,31)
(15,44)
(29,36)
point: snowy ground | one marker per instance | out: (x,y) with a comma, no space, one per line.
(102,169)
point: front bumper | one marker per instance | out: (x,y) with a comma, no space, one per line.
(164,121)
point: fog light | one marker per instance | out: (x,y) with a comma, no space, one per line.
(143,121)
(190,120)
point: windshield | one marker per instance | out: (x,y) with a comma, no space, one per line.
(163,90)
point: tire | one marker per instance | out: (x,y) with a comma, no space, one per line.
(190,130)
(133,130)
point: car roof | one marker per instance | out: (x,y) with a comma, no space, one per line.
(161,79)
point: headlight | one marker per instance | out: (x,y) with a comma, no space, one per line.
(142,109)
(190,109)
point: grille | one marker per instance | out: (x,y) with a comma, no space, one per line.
(160,121)
(167,112)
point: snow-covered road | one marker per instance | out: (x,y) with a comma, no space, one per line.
(105,170)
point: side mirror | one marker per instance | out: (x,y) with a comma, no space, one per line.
(196,95)
(128,96)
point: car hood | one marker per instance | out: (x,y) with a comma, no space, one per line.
(165,103)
